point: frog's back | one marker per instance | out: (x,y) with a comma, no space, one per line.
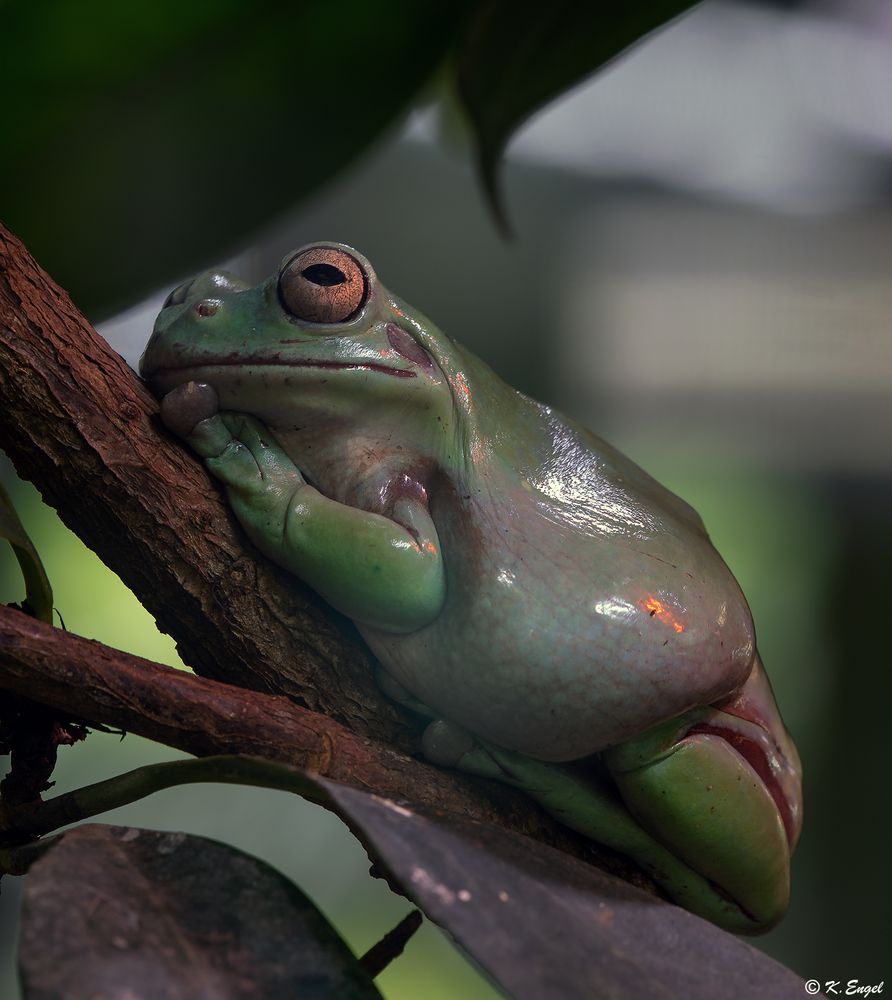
(585,603)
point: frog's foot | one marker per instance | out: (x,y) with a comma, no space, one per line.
(583,797)
(448,745)
(191,411)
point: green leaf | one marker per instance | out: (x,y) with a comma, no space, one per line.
(38,592)
(110,911)
(144,139)
(512,60)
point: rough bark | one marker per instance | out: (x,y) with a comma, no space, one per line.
(101,685)
(78,423)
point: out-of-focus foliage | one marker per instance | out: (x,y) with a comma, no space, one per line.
(139,913)
(140,139)
(512,61)
(38,593)
(90,598)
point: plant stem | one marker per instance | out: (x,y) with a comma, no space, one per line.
(72,807)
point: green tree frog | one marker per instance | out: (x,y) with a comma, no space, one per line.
(561,619)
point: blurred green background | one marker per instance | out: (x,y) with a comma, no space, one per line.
(702,274)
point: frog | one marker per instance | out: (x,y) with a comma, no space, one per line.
(559,621)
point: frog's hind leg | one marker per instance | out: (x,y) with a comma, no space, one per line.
(586,800)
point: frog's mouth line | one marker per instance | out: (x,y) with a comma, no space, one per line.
(370,366)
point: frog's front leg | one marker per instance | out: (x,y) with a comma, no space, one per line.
(381,571)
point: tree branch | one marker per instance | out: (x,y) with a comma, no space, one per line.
(77,422)
(102,685)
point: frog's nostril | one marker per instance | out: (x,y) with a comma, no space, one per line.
(207,307)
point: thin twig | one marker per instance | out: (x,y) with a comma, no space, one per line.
(392,945)
(27,822)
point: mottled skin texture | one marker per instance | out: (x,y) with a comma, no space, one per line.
(526,586)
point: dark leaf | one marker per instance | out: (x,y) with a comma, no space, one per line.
(512,60)
(38,593)
(115,912)
(543,924)
(540,922)
(143,139)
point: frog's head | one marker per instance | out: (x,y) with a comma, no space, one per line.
(320,342)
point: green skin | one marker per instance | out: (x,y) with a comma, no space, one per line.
(561,618)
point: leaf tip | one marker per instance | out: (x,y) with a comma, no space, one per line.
(488,172)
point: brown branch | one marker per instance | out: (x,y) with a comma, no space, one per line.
(102,685)
(78,423)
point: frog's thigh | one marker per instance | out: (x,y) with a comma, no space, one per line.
(714,812)
(589,804)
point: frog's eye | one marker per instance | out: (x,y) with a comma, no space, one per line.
(322,285)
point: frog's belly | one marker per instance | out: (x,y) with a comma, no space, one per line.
(568,659)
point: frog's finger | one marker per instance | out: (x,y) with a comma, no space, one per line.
(190,412)
(210,438)
(271,460)
(184,407)
(233,465)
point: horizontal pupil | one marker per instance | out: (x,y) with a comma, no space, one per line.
(324,274)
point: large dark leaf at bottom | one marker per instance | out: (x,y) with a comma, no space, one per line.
(111,912)
(545,925)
